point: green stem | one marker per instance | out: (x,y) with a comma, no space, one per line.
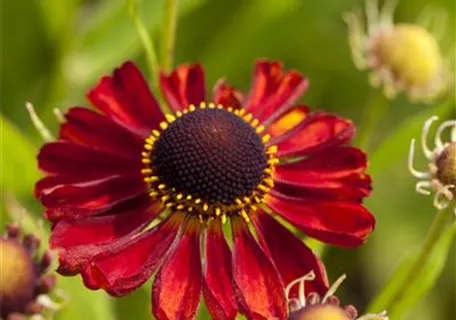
(432,238)
(374,111)
(168,36)
(146,40)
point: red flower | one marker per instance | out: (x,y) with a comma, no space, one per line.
(131,190)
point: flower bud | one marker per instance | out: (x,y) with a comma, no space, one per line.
(320,312)
(314,307)
(441,174)
(446,165)
(22,275)
(17,276)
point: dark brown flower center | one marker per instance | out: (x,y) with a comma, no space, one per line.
(210,154)
(446,165)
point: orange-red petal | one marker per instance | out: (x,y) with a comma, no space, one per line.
(317,132)
(89,128)
(184,86)
(177,286)
(273,90)
(340,223)
(127,267)
(227,95)
(82,239)
(126,99)
(291,256)
(258,280)
(218,275)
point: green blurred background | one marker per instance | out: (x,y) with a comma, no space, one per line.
(52,51)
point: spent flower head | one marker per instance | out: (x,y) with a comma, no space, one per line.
(403,57)
(312,306)
(441,174)
(25,283)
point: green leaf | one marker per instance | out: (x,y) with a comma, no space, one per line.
(18,164)
(396,146)
(428,276)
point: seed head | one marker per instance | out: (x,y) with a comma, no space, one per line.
(402,57)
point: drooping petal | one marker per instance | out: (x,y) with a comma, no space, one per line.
(317,132)
(218,274)
(74,160)
(83,239)
(122,205)
(340,223)
(281,123)
(127,267)
(227,95)
(101,229)
(177,286)
(184,86)
(126,98)
(273,90)
(93,194)
(91,278)
(257,278)
(88,128)
(291,256)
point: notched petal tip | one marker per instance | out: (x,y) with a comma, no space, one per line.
(184,86)
(126,99)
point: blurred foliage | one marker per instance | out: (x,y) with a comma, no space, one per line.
(52,51)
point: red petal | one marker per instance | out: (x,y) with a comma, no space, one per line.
(88,128)
(317,132)
(91,278)
(339,162)
(75,160)
(83,239)
(273,90)
(218,274)
(291,256)
(122,205)
(184,86)
(256,276)
(126,98)
(99,230)
(350,190)
(46,184)
(337,173)
(339,223)
(93,194)
(177,286)
(129,266)
(227,95)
